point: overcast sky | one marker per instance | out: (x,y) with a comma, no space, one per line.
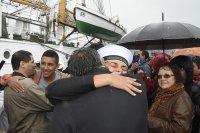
(135,13)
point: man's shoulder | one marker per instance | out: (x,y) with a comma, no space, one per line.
(26,81)
(29,84)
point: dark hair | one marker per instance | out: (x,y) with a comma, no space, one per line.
(146,55)
(83,61)
(175,70)
(51,53)
(184,62)
(196,59)
(19,56)
(97,45)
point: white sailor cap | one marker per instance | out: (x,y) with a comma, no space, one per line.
(116,52)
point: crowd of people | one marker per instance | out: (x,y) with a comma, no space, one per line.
(104,91)
(170,110)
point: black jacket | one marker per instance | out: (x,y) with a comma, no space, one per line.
(104,110)
(193,89)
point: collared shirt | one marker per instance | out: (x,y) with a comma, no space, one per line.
(18,74)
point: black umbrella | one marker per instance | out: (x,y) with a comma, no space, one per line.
(163,35)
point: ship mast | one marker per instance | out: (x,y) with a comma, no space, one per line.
(83,3)
(38,5)
(62,20)
(62,13)
(100,6)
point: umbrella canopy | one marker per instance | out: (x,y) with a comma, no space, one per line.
(163,35)
(187,51)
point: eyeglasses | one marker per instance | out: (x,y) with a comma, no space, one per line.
(166,76)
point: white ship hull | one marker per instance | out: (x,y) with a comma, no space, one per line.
(8,47)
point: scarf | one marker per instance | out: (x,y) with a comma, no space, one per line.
(164,95)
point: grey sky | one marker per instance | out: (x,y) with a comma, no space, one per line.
(135,13)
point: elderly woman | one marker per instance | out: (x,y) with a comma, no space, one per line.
(172,110)
(151,83)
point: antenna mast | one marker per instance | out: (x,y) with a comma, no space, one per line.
(163,17)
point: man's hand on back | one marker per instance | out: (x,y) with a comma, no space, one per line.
(13,83)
